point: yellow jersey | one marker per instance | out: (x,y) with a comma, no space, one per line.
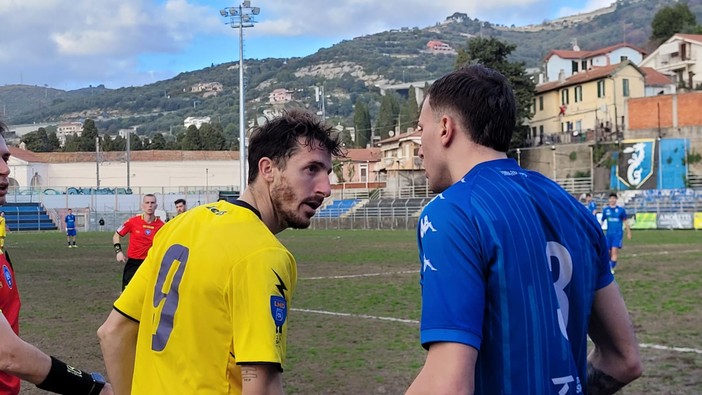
(3,227)
(213,292)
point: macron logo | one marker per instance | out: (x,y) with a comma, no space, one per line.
(425,225)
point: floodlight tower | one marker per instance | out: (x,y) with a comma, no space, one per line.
(241,17)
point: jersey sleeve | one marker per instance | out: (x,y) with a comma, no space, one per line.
(124,228)
(604,270)
(131,302)
(261,289)
(452,279)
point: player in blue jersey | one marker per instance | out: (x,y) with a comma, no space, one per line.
(71,229)
(590,204)
(616,221)
(514,271)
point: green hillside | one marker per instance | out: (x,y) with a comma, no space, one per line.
(348,70)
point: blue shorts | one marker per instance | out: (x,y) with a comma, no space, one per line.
(614,241)
(71,232)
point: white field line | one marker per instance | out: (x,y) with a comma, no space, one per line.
(415,322)
(660,253)
(359,275)
(417,271)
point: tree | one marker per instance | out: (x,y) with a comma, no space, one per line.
(191,140)
(671,20)
(362,124)
(54,143)
(37,141)
(387,115)
(158,142)
(493,53)
(212,137)
(409,112)
(88,136)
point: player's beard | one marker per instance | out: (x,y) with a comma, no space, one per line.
(287,205)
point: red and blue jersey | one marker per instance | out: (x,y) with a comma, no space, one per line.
(10,308)
(141,235)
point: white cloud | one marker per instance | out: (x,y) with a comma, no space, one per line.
(73,43)
(86,40)
(358,17)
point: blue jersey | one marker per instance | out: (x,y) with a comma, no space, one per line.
(615,217)
(70,221)
(510,263)
(592,206)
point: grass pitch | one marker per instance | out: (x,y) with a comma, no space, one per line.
(353,328)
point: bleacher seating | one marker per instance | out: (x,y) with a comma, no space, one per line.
(27,216)
(337,208)
(408,207)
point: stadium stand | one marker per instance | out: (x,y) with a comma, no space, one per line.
(392,207)
(337,208)
(27,216)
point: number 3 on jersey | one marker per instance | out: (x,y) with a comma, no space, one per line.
(167,288)
(558,252)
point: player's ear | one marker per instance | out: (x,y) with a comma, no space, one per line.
(448,130)
(265,168)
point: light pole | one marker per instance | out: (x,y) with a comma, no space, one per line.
(241,17)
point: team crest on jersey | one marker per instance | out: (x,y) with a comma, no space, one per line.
(8,275)
(279,311)
(147,232)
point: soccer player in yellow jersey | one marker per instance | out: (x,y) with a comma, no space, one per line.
(206,313)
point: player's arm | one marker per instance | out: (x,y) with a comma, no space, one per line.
(628,229)
(118,338)
(448,369)
(119,254)
(27,362)
(261,379)
(615,360)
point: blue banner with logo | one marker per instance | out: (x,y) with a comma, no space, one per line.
(635,165)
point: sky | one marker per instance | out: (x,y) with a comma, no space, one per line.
(71,44)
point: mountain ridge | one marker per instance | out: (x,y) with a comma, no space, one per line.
(349,69)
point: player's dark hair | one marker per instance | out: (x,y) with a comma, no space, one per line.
(178,201)
(482,101)
(588,194)
(613,194)
(278,139)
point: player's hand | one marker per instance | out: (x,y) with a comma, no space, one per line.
(121,257)
(628,235)
(106,390)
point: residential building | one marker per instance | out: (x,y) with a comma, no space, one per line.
(206,87)
(436,47)
(586,106)
(358,167)
(400,164)
(560,64)
(280,95)
(65,129)
(197,121)
(679,57)
(657,83)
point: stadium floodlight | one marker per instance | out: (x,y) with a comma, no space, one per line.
(241,17)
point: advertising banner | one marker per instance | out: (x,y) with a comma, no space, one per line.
(644,221)
(698,220)
(675,221)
